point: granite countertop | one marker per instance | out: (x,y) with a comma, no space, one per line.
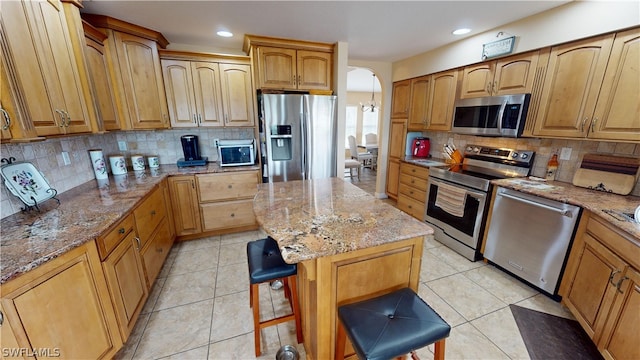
(323,217)
(598,202)
(29,239)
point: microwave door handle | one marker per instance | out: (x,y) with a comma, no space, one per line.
(501,115)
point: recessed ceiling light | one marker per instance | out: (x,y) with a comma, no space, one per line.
(461,31)
(224,33)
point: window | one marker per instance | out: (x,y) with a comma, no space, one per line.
(351,126)
(369,124)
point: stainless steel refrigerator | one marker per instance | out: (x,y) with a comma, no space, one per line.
(299,136)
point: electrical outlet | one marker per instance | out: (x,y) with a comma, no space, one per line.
(122,145)
(65,158)
(565,153)
(214,143)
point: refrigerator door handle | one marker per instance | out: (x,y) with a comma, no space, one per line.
(303,140)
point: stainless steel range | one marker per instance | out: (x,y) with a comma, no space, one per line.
(458,196)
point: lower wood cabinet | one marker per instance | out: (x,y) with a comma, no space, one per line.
(412,192)
(62,308)
(155,252)
(227,214)
(184,200)
(602,288)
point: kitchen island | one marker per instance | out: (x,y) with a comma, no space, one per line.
(348,246)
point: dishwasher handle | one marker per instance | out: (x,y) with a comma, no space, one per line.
(563,212)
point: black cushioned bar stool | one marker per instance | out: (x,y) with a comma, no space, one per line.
(266,264)
(389,326)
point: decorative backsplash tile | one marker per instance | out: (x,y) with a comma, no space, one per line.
(46,156)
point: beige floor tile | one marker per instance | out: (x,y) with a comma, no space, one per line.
(193,354)
(186,288)
(502,285)
(195,260)
(130,346)
(232,279)
(431,242)
(545,304)
(242,237)
(190,245)
(232,317)
(233,253)
(153,296)
(500,327)
(433,267)
(449,314)
(176,330)
(465,296)
(242,347)
(454,259)
(466,342)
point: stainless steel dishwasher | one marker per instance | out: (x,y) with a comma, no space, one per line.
(529,236)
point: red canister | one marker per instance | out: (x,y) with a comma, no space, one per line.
(420,147)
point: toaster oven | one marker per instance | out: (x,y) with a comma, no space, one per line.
(236,152)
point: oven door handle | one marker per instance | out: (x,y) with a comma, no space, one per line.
(472,193)
(563,212)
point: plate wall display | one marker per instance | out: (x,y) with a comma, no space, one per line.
(26,182)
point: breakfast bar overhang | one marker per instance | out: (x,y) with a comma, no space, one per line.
(348,245)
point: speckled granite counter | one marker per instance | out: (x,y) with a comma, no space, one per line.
(595,201)
(316,218)
(28,240)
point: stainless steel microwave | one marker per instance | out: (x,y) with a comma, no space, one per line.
(236,152)
(491,116)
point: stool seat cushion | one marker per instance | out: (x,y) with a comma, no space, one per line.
(392,325)
(266,262)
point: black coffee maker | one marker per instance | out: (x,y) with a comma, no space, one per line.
(191,151)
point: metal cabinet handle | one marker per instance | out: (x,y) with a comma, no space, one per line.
(593,124)
(1,318)
(61,117)
(613,273)
(7,119)
(619,284)
(583,122)
(137,243)
(193,184)
(226,118)
(199,118)
(488,88)
(494,87)
(68,118)
(195,119)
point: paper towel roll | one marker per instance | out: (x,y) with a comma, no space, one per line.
(98,163)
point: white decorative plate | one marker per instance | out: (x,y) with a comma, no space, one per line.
(27,183)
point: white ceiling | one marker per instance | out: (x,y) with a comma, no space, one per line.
(375,30)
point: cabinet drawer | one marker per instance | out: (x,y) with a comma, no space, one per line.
(227,214)
(149,214)
(412,207)
(110,240)
(229,186)
(154,254)
(414,193)
(418,183)
(414,170)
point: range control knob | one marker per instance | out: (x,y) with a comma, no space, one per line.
(469,148)
(514,155)
(524,155)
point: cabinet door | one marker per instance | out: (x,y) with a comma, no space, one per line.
(314,70)
(617,113)
(397,142)
(150,214)
(515,74)
(184,199)
(571,86)
(237,94)
(127,285)
(401,98)
(9,339)
(419,105)
(593,287)
(208,93)
(7,104)
(228,186)
(622,331)
(102,87)
(442,99)
(227,214)
(144,96)
(477,80)
(393,175)
(155,252)
(178,84)
(277,68)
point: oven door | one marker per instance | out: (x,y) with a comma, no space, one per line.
(465,229)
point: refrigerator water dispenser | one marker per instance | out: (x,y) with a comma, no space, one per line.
(281,148)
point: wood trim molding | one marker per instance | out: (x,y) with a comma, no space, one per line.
(257,40)
(92,33)
(197,56)
(103,21)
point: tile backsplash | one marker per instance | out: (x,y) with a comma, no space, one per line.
(46,155)
(544,148)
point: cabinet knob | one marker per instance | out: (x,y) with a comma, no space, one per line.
(229,186)
(153,212)
(233,215)
(121,231)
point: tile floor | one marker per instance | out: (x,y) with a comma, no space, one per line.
(199,306)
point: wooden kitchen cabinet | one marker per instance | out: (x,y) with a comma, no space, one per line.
(572,83)
(184,199)
(432,101)
(511,75)
(398,134)
(601,287)
(135,71)
(63,307)
(285,64)
(226,200)
(103,90)
(125,277)
(400,99)
(412,191)
(51,78)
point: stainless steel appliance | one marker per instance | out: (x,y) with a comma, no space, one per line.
(458,196)
(529,237)
(236,152)
(191,151)
(299,135)
(491,116)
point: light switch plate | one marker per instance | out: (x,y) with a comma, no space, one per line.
(565,153)
(122,145)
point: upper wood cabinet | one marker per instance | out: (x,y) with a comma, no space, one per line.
(103,90)
(205,90)
(432,101)
(573,84)
(48,66)
(290,64)
(510,75)
(135,71)
(401,98)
